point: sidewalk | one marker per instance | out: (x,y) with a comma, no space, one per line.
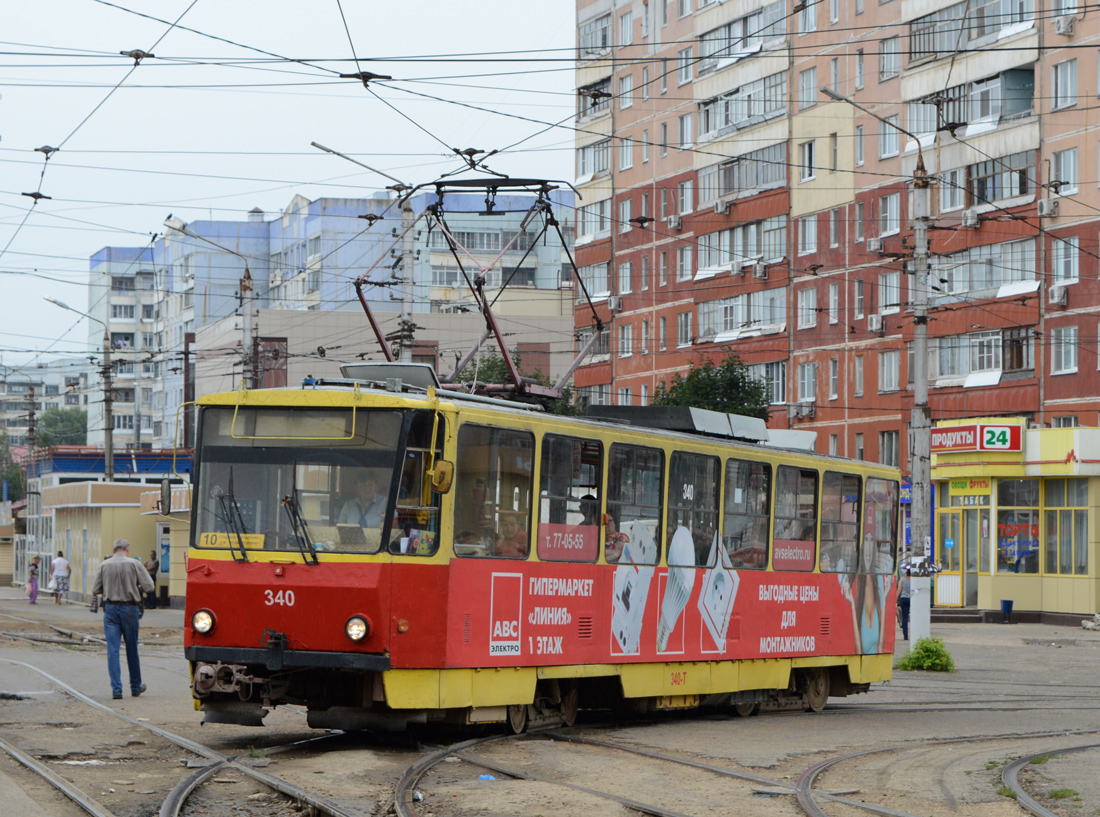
(75,615)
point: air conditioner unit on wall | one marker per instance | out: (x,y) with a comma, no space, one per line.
(1048,208)
(970,218)
(874,245)
(1057,295)
(615,303)
(874,323)
(674,222)
(1065,25)
(806,409)
(721,207)
(760,270)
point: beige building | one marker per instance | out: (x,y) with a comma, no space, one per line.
(172,535)
(88,518)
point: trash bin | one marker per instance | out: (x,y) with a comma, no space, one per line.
(1006,611)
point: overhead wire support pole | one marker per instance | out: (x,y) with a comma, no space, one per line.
(920,420)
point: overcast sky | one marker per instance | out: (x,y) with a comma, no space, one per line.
(213,126)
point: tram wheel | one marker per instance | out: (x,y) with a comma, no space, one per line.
(517,718)
(817,689)
(570,703)
(746,709)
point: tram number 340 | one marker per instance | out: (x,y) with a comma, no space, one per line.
(283,598)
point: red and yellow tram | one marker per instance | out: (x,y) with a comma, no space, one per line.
(390,555)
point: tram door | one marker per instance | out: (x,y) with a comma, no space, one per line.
(949,547)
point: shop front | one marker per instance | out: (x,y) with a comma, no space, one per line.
(1015,515)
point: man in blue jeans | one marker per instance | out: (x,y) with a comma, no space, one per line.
(123,582)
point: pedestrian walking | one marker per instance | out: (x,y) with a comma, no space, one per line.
(32,579)
(904,592)
(153,566)
(122,581)
(61,572)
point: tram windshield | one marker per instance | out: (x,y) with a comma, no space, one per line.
(311,481)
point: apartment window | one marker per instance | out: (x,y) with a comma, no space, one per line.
(662,270)
(889,369)
(888,141)
(684,8)
(1062,7)
(645,146)
(684,65)
(684,256)
(626,91)
(834,228)
(122,311)
(595,99)
(683,329)
(664,76)
(952,190)
(834,303)
(624,216)
(834,378)
(834,447)
(594,219)
(888,447)
(774,378)
(859,69)
(806,163)
(834,11)
(686,136)
(858,375)
(662,338)
(985,351)
(1063,350)
(889,214)
(807,382)
(859,446)
(645,338)
(807,308)
(1004,178)
(889,59)
(594,159)
(626,29)
(626,154)
(889,293)
(859,145)
(834,149)
(807,235)
(1063,171)
(859,222)
(148,312)
(664,138)
(645,19)
(807,88)
(624,396)
(1017,349)
(626,340)
(834,74)
(1065,85)
(645,82)
(1069,421)
(595,36)
(645,273)
(625,274)
(807,17)
(684,198)
(1064,262)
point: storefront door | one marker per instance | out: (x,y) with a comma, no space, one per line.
(949,549)
(975,539)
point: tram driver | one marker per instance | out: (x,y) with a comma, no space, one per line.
(366,507)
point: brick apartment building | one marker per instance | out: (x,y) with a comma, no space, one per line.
(729,204)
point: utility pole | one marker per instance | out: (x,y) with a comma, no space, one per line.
(407,253)
(246,326)
(32,434)
(108,411)
(920,421)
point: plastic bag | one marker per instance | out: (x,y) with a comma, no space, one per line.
(52,586)
(27,589)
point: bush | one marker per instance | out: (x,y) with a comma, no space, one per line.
(928,654)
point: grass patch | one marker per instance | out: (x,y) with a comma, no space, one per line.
(1039,760)
(928,654)
(255,753)
(990,765)
(1005,791)
(1062,794)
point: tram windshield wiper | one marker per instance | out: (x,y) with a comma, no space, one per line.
(232,517)
(301,530)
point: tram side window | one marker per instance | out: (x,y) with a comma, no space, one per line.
(633,505)
(416,513)
(569,499)
(745,523)
(840,524)
(880,527)
(795,542)
(693,483)
(492,493)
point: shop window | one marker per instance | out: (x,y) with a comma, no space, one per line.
(569,499)
(840,496)
(745,523)
(1066,526)
(493,483)
(693,509)
(795,519)
(1017,526)
(633,531)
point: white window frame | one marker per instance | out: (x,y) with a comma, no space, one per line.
(889,214)
(889,371)
(684,66)
(1065,260)
(807,88)
(1063,350)
(860,75)
(807,235)
(1063,85)
(626,340)
(859,145)
(626,153)
(834,378)
(952,190)
(807,161)
(889,293)
(889,138)
(685,199)
(859,223)
(807,18)
(889,58)
(625,215)
(834,303)
(626,91)
(834,228)
(626,28)
(807,382)
(807,308)
(683,329)
(1063,168)
(685,268)
(645,147)
(626,273)
(858,375)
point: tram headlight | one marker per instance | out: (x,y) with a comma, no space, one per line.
(357,628)
(202,621)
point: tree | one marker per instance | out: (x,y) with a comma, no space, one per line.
(11,472)
(57,426)
(727,387)
(490,368)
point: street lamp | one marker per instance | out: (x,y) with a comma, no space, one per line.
(108,392)
(244,295)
